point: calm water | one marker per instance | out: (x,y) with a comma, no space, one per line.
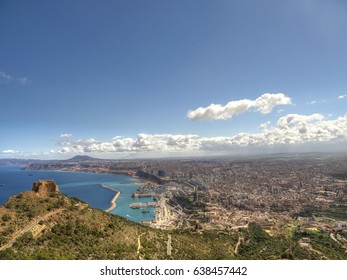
(85,186)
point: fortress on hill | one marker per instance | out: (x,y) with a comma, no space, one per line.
(45,186)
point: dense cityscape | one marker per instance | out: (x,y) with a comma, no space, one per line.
(283,194)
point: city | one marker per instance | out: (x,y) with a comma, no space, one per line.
(283,194)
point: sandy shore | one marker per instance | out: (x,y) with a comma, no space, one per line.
(113,204)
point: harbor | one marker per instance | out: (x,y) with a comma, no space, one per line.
(97,189)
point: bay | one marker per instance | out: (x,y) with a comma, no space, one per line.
(83,185)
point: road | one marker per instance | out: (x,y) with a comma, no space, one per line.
(29,227)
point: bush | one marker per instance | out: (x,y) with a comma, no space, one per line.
(25,240)
(6,217)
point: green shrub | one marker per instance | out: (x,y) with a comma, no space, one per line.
(6,217)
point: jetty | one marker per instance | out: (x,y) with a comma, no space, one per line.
(137,205)
(143,194)
(113,204)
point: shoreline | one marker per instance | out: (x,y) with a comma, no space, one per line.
(113,204)
(128,173)
(131,183)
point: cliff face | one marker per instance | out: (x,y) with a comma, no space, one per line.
(42,187)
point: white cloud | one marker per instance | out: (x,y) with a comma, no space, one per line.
(9,152)
(5,79)
(263,104)
(65,135)
(143,143)
(311,102)
(264,126)
(342,96)
(289,129)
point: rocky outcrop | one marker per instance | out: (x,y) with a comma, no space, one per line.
(45,187)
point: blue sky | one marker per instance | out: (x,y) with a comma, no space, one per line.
(118,78)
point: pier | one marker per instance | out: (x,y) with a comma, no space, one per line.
(113,204)
(137,205)
(140,194)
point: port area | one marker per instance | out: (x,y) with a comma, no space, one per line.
(167,216)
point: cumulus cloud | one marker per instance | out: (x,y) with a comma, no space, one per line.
(342,96)
(65,150)
(5,79)
(142,143)
(289,129)
(263,104)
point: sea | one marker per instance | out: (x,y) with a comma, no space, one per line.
(83,185)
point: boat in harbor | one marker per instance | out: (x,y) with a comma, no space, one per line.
(145,211)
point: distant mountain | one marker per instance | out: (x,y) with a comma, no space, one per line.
(82,158)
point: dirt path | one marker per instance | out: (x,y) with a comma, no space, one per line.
(237,245)
(139,247)
(28,228)
(169,247)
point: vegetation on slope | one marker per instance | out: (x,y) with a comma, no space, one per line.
(67,228)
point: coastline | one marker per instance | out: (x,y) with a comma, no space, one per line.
(113,204)
(125,184)
(130,173)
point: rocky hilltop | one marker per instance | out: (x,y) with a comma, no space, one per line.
(43,187)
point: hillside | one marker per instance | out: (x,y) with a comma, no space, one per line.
(49,225)
(80,158)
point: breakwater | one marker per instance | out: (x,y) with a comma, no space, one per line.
(113,204)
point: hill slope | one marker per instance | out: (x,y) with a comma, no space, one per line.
(53,226)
